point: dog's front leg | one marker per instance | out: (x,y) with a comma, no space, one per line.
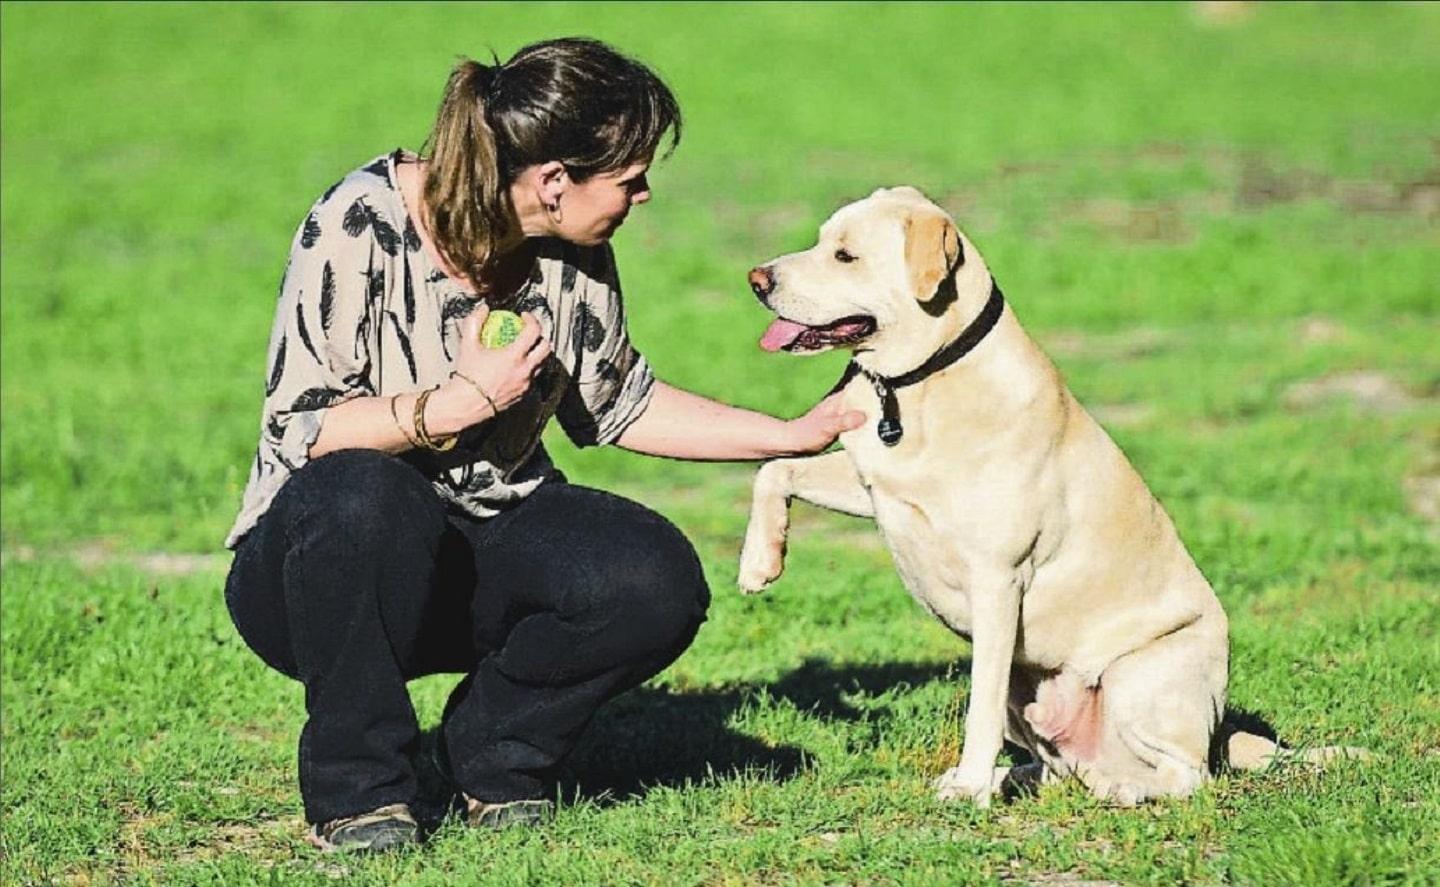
(828,480)
(995,619)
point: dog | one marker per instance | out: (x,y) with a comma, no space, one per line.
(1011,516)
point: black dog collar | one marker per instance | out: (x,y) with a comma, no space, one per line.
(890,430)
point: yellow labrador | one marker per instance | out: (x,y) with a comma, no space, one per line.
(1098,645)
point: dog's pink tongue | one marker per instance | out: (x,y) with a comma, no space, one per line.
(781,333)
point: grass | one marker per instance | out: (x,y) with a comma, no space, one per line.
(1209,227)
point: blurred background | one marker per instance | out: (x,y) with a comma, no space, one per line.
(1220,219)
(1201,170)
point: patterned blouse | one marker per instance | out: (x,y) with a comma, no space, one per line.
(363,310)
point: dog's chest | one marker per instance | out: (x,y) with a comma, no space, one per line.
(910,508)
(932,570)
(930,564)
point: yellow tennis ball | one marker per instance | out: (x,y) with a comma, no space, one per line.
(500,329)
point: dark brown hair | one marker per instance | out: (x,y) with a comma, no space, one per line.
(574,100)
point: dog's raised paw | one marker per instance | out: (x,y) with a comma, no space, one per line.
(752,582)
(758,571)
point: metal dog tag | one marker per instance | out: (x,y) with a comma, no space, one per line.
(889,431)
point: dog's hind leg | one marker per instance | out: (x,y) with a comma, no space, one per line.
(1162,704)
(829,480)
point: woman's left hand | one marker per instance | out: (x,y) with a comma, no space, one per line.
(818,428)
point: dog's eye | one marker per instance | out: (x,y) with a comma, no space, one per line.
(843,256)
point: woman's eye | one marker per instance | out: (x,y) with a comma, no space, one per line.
(842,256)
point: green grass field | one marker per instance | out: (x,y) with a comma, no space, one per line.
(1224,232)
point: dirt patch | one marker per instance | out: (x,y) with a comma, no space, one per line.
(100,554)
(1222,13)
(1119,345)
(1122,415)
(1368,390)
(1422,494)
(248,838)
(258,838)
(1422,487)
(1234,180)
(1320,330)
(1069,879)
(1142,222)
(1261,185)
(1241,181)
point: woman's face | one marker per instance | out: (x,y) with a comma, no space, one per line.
(592,210)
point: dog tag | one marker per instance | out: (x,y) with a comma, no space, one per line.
(890,431)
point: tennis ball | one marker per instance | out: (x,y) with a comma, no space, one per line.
(500,329)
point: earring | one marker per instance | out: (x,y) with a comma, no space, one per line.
(553,210)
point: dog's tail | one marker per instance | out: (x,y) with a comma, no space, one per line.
(1242,750)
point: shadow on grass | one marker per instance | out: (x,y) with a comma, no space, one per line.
(655,736)
(659,737)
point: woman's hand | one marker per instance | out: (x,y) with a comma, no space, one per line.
(504,374)
(818,428)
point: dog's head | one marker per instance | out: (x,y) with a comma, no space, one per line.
(890,276)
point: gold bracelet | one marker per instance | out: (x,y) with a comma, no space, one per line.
(494,410)
(421,432)
(396,416)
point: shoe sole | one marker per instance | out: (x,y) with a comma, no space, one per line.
(385,840)
(517,813)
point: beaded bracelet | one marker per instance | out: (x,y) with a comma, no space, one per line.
(446,442)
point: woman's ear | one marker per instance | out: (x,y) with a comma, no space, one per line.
(551,182)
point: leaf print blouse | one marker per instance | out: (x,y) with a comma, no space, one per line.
(364,311)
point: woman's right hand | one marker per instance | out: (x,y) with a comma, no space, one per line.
(505,374)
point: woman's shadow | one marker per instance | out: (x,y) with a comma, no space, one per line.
(656,737)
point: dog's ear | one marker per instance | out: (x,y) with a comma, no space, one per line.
(932,252)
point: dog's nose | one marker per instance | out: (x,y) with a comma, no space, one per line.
(762,282)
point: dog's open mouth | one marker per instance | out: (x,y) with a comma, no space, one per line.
(787,335)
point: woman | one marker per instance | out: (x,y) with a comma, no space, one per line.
(401,517)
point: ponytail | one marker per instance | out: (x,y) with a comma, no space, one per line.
(466,207)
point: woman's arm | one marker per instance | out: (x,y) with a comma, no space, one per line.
(502,374)
(682,425)
(369,423)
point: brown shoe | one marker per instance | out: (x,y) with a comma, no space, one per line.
(511,813)
(383,828)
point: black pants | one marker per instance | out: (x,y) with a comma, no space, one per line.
(359,578)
